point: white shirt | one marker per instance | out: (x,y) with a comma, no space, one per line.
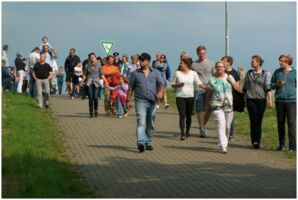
(190,80)
(33,58)
(78,71)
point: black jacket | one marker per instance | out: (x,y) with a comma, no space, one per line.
(20,65)
(70,63)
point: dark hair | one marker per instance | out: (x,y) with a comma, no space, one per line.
(200,47)
(145,56)
(98,58)
(90,54)
(73,49)
(110,56)
(229,59)
(5,47)
(187,61)
(35,49)
(258,58)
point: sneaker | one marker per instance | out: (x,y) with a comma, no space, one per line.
(126,114)
(96,114)
(188,135)
(91,115)
(157,106)
(149,147)
(182,137)
(71,97)
(292,148)
(141,147)
(202,133)
(224,150)
(256,145)
(281,147)
(120,117)
(167,105)
(231,138)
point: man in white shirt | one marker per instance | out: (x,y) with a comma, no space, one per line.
(33,58)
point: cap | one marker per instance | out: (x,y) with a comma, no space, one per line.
(145,56)
(115,54)
(19,54)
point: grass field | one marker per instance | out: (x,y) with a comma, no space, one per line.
(33,160)
(269,126)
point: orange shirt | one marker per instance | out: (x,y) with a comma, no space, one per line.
(107,70)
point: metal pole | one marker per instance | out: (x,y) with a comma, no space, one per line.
(227,48)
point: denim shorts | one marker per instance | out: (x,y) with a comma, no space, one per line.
(200,101)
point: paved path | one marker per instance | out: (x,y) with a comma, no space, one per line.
(104,150)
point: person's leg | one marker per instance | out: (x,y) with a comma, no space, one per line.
(38,86)
(229,116)
(123,104)
(91,97)
(107,93)
(188,113)
(252,112)
(118,106)
(46,88)
(232,130)
(141,112)
(200,106)
(180,102)
(281,119)
(60,85)
(261,107)
(95,101)
(21,78)
(219,117)
(291,118)
(150,122)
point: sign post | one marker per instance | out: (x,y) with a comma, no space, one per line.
(107,46)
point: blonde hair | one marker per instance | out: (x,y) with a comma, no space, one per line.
(220,61)
(288,57)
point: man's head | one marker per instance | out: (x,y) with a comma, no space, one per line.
(92,57)
(201,52)
(145,59)
(19,55)
(5,47)
(158,55)
(45,48)
(72,52)
(116,55)
(134,59)
(42,58)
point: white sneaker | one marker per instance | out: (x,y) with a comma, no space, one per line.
(167,105)
(157,106)
(224,150)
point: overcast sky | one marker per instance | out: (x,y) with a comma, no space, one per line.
(267,29)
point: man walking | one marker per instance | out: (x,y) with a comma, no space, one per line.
(205,69)
(42,73)
(32,60)
(148,86)
(69,66)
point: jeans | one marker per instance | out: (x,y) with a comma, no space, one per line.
(93,98)
(145,112)
(200,101)
(42,85)
(232,130)
(256,109)
(107,102)
(121,103)
(223,125)
(185,106)
(32,88)
(286,110)
(60,86)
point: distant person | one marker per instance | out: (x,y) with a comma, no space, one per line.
(125,66)
(183,55)
(257,92)
(148,87)
(219,100)
(92,75)
(32,60)
(284,83)
(77,78)
(21,68)
(135,63)
(45,42)
(69,66)
(60,79)
(184,81)
(25,78)
(5,60)
(42,73)
(205,69)
(6,75)
(117,61)
(109,70)
(237,99)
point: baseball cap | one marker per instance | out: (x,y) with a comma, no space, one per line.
(115,54)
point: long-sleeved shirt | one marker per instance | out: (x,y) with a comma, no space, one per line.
(287,92)
(122,89)
(256,86)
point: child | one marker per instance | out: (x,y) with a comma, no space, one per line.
(77,78)
(60,79)
(119,95)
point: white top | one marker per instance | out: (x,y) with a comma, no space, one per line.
(78,71)
(33,58)
(190,80)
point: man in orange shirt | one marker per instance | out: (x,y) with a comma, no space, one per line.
(109,70)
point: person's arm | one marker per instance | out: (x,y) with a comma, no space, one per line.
(274,84)
(268,89)
(174,84)
(232,81)
(207,100)
(269,99)
(161,88)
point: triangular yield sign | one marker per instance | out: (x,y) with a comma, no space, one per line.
(107,46)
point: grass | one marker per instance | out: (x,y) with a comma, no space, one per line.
(33,160)
(242,127)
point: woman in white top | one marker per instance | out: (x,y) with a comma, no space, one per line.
(184,82)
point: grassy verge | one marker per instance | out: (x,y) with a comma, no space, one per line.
(33,161)
(242,127)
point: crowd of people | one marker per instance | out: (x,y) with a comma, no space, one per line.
(202,86)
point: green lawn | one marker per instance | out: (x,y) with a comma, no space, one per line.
(269,126)
(33,160)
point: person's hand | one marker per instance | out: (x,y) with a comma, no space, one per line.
(128,105)
(270,104)
(231,80)
(159,95)
(279,83)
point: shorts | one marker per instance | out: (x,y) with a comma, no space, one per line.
(69,76)
(200,101)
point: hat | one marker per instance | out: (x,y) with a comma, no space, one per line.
(115,54)
(19,54)
(145,56)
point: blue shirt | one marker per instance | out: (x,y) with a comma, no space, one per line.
(145,88)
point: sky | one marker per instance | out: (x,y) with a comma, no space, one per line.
(264,28)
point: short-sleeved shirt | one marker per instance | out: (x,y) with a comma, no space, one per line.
(42,71)
(145,88)
(60,76)
(190,80)
(205,70)
(107,69)
(221,93)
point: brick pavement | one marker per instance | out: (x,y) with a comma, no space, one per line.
(104,151)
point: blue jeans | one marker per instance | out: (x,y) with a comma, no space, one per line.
(60,86)
(200,101)
(119,104)
(31,84)
(93,98)
(145,112)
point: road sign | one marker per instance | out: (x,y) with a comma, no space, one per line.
(107,46)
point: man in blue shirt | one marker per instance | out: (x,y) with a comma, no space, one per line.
(148,86)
